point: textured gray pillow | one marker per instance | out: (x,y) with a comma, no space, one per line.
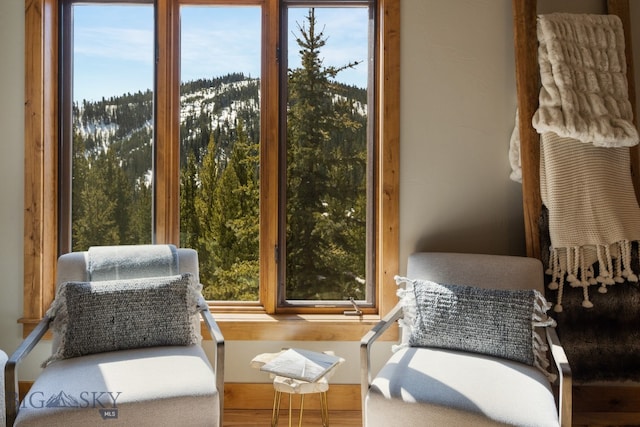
(496,322)
(96,317)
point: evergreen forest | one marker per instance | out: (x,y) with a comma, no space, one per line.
(325,177)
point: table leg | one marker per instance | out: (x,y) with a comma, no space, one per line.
(301,409)
(324,409)
(275,412)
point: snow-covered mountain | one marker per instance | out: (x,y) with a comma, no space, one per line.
(222,100)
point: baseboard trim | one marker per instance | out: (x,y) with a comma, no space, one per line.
(606,405)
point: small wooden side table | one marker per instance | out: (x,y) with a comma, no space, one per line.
(282,384)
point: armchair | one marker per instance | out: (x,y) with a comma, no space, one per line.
(422,385)
(155,373)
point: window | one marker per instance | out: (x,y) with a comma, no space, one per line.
(220,144)
(106,124)
(238,130)
(328,153)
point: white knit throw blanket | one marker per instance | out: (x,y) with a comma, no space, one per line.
(584,92)
(585,119)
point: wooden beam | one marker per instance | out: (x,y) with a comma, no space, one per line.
(40,145)
(527,85)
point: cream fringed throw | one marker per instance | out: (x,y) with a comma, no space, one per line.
(585,119)
(593,213)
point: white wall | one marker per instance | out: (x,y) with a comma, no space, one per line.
(11,169)
(458,107)
(458,104)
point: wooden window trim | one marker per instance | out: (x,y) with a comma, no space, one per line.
(41,183)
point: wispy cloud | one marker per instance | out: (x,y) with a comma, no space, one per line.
(113,45)
(217,51)
(110,43)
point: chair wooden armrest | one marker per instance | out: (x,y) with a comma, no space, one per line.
(218,339)
(12,400)
(564,377)
(365,346)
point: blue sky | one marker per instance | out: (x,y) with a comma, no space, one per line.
(113,45)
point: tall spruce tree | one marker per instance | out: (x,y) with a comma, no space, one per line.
(322,262)
(208,177)
(189,221)
(235,223)
(96,221)
(140,227)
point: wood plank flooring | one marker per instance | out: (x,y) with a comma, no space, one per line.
(248,418)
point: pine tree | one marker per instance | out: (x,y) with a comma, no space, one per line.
(95,223)
(208,177)
(189,222)
(321,201)
(235,223)
(140,227)
(119,190)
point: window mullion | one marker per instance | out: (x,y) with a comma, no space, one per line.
(388,147)
(166,186)
(269,157)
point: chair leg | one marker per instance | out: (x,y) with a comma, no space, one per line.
(275,412)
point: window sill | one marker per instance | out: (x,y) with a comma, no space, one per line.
(297,327)
(285,327)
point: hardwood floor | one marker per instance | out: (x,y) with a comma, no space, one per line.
(247,418)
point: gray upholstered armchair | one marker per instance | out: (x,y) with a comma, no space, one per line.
(126,344)
(455,378)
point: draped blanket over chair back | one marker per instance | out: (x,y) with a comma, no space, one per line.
(585,119)
(125,262)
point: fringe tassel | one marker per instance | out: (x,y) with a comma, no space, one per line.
(406,322)
(193,296)
(570,265)
(627,273)
(58,312)
(540,319)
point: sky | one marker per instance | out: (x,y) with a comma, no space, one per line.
(113,45)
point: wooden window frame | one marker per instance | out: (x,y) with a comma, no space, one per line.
(42,165)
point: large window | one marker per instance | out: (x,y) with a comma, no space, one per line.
(327,142)
(262,133)
(220,143)
(107,124)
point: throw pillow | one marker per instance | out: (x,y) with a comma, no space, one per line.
(96,317)
(496,322)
